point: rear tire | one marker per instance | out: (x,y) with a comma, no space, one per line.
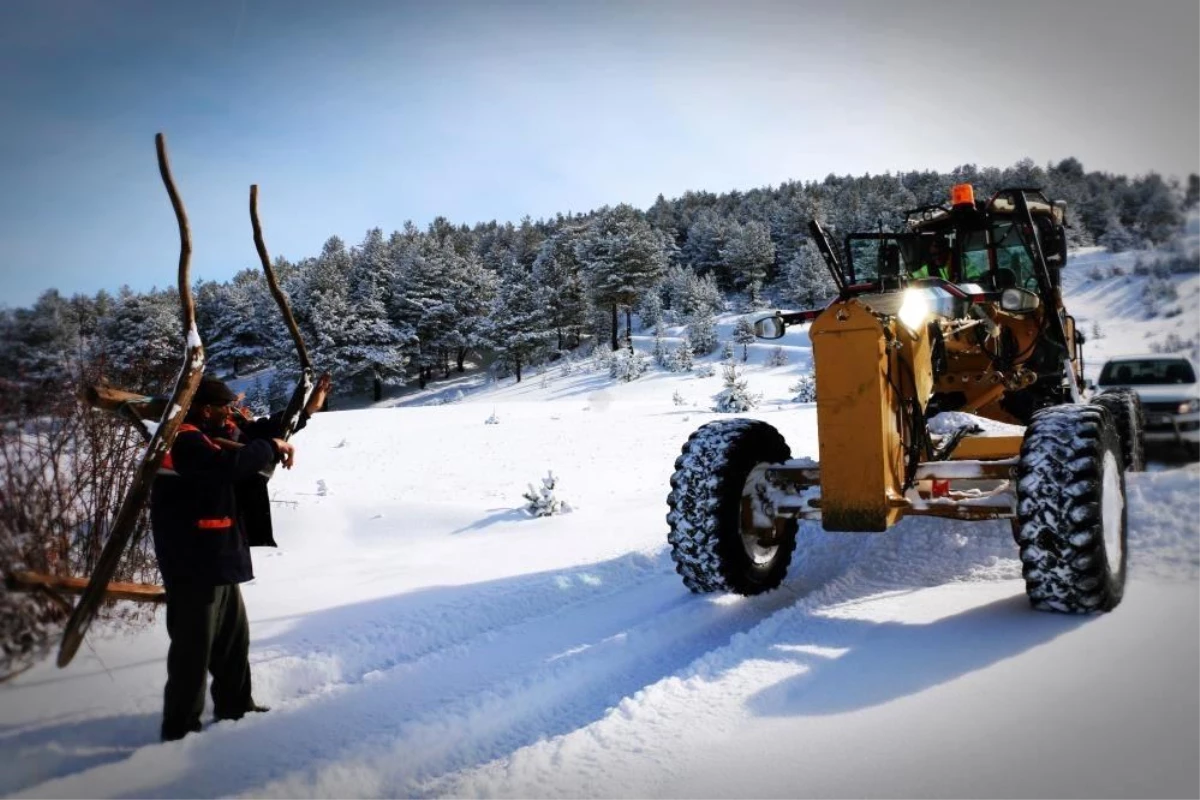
(1071,510)
(1126,410)
(707,542)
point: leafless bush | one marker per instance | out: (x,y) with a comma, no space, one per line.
(64,469)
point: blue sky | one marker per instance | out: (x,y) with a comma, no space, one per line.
(361,114)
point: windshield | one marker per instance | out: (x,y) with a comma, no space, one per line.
(1012,256)
(872,255)
(1147,372)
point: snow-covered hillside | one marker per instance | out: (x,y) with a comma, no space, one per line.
(419,634)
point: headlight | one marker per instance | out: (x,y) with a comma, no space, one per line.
(1188,406)
(914,310)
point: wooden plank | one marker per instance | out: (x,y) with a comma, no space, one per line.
(139,592)
(119,401)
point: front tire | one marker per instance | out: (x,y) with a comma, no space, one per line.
(710,549)
(1071,514)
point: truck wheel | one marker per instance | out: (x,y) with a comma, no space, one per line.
(1070,524)
(709,547)
(1126,409)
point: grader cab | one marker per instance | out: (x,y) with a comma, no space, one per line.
(948,381)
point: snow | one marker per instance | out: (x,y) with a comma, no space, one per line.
(418,633)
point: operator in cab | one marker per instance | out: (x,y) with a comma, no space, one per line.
(937,261)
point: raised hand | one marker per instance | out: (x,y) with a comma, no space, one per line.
(317,399)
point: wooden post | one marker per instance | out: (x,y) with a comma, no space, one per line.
(31,581)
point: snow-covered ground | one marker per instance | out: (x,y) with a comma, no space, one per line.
(418,634)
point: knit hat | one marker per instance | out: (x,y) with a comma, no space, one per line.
(213,392)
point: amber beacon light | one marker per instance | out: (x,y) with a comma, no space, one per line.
(962,194)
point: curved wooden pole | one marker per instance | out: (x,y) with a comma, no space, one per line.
(273,283)
(160,443)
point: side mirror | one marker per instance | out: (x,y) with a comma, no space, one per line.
(1019,301)
(769,327)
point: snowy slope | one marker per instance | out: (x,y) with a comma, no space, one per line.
(418,634)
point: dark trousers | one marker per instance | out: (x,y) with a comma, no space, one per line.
(209,633)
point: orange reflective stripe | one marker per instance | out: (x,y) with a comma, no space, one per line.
(215,523)
(188,427)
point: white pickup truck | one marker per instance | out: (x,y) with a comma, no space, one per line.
(1169,393)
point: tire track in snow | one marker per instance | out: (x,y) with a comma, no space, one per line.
(407,715)
(335,649)
(641,636)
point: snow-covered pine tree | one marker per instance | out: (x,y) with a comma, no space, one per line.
(423,299)
(743,334)
(702,332)
(804,390)
(472,289)
(542,502)
(681,359)
(249,323)
(37,344)
(1159,214)
(622,258)
(777,357)
(320,303)
(748,254)
(518,326)
(806,278)
(659,354)
(279,390)
(556,268)
(706,237)
(258,398)
(373,350)
(627,365)
(650,308)
(1191,196)
(734,397)
(142,340)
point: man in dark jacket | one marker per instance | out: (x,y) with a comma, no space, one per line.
(207,506)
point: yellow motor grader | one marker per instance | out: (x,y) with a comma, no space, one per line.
(945,386)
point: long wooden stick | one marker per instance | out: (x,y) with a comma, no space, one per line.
(280,297)
(160,443)
(119,401)
(116,590)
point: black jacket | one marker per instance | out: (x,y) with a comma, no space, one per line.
(208,505)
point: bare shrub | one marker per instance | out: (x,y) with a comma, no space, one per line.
(64,470)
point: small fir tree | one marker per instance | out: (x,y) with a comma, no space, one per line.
(627,365)
(702,332)
(542,502)
(681,359)
(804,390)
(734,398)
(743,334)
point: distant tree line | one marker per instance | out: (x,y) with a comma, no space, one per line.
(417,304)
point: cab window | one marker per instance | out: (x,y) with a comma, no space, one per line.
(974,257)
(1012,256)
